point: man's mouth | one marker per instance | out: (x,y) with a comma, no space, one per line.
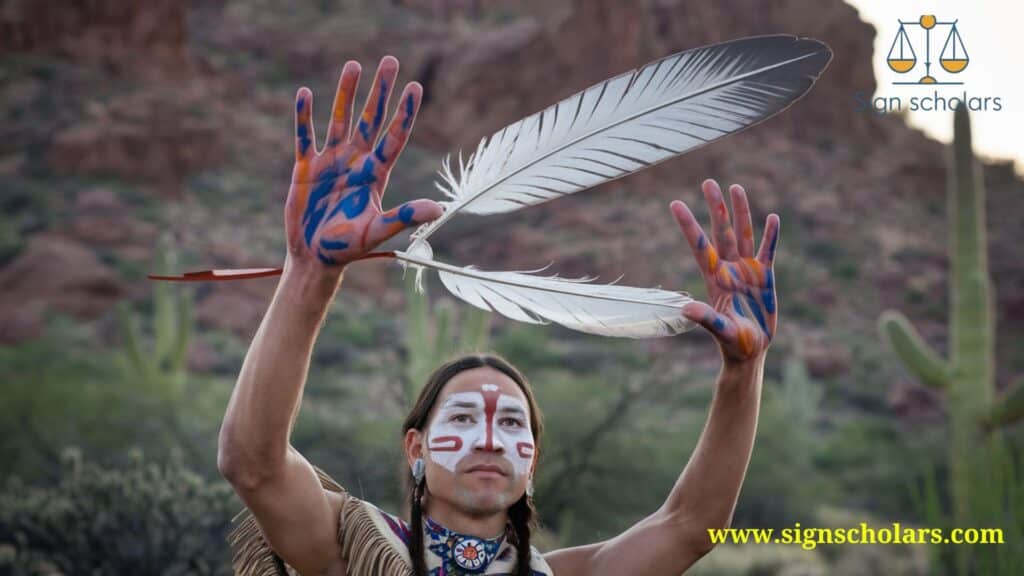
(486,468)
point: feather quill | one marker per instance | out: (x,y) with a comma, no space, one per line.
(602,309)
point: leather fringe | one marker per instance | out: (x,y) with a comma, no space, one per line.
(251,555)
(364,546)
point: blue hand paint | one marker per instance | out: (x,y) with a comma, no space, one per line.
(302,133)
(404,215)
(409,106)
(756,309)
(736,275)
(364,176)
(737,306)
(316,205)
(333,244)
(718,323)
(768,292)
(353,204)
(380,104)
(325,258)
(771,247)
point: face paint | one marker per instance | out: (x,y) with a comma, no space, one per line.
(486,420)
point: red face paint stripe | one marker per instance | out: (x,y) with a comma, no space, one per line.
(490,408)
(524,449)
(446,444)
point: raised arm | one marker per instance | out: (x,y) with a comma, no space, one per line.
(333,216)
(741,315)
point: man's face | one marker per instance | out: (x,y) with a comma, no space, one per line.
(479,446)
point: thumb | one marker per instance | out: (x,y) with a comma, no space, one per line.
(705,315)
(412,213)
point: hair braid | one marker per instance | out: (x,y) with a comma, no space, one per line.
(419,565)
(524,520)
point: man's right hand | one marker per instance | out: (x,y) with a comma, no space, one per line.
(333,214)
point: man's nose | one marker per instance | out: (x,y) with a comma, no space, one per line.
(488,443)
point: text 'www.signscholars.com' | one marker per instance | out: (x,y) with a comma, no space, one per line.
(810,538)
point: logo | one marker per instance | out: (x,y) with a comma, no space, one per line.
(902,57)
(911,56)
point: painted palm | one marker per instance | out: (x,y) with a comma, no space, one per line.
(614,128)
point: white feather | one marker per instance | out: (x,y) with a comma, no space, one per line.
(630,122)
(603,309)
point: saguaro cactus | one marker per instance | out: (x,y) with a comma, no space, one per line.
(968,376)
(163,367)
(430,339)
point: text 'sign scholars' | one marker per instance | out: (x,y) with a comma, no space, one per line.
(933,102)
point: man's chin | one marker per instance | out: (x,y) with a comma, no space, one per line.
(483,501)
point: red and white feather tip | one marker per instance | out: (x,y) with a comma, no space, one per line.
(219,275)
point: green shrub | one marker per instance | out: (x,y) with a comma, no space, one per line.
(141,518)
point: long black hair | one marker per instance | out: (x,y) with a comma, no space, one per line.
(522,514)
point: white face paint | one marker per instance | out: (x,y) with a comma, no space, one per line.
(487,420)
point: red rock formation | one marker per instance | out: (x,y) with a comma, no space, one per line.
(502,75)
(155,136)
(55,273)
(142,36)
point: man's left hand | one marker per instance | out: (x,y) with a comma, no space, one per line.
(741,311)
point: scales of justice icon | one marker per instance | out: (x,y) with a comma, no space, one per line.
(953,57)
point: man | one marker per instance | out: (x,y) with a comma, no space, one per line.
(472,440)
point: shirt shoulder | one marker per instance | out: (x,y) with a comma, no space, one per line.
(372,540)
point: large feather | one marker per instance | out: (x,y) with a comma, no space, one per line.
(630,122)
(603,309)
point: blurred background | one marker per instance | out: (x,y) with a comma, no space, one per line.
(157,137)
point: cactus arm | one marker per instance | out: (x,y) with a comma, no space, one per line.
(915,353)
(163,305)
(1009,408)
(418,345)
(475,330)
(179,355)
(131,337)
(442,328)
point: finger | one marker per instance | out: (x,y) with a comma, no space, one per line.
(377,104)
(305,138)
(721,229)
(387,224)
(703,251)
(770,239)
(344,100)
(705,315)
(393,142)
(743,223)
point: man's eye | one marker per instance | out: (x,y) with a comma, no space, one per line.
(461,418)
(512,421)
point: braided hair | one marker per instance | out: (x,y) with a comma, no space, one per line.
(522,514)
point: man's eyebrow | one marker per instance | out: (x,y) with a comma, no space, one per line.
(512,410)
(461,404)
